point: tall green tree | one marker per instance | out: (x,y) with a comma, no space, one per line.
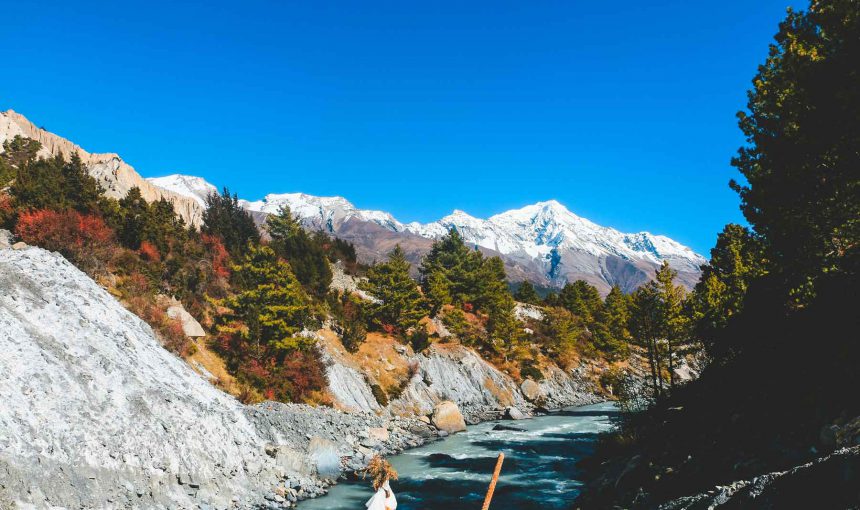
(400,303)
(582,299)
(611,330)
(450,270)
(645,326)
(225,218)
(305,254)
(673,322)
(270,307)
(526,293)
(801,161)
(493,296)
(53,183)
(736,261)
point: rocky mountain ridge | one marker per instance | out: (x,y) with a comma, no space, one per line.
(113,174)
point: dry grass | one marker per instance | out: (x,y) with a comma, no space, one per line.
(215,366)
(378,357)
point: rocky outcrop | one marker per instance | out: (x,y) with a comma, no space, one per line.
(190,326)
(115,175)
(453,372)
(96,413)
(827,482)
(447,417)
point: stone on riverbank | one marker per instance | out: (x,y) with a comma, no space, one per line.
(447,417)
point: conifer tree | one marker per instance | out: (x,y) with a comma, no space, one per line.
(645,326)
(450,270)
(268,310)
(611,328)
(305,254)
(582,299)
(526,294)
(736,260)
(225,218)
(400,302)
(673,322)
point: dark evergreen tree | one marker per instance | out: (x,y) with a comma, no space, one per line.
(526,293)
(582,299)
(449,271)
(801,163)
(305,254)
(400,303)
(226,219)
(645,326)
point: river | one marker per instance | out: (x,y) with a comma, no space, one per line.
(539,470)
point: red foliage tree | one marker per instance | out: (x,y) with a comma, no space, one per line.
(218,254)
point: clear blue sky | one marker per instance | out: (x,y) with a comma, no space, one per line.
(623,111)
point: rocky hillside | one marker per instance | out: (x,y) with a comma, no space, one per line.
(115,175)
(97,413)
(544,243)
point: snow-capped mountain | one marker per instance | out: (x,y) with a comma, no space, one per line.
(544,242)
(196,188)
(540,229)
(321,212)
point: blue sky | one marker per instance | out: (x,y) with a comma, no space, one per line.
(623,111)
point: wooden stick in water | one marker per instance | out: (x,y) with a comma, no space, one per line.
(495,479)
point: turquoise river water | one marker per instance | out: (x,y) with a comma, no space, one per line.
(539,470)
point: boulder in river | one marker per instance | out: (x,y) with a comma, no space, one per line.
(447,417)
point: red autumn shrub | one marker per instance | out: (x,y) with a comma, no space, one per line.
(149,252)
(7,210)
(82,238)
(218,254)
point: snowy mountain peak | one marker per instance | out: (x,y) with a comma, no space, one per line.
(189,186)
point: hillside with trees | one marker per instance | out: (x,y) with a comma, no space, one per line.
(775,309)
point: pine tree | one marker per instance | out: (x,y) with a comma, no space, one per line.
(611,328)
(673,322)
(268,310)
(450,270)
(503,328)
(645,326)
(582,299)
(562,331)
(736,261)
(400,303)
(526,294)
(225,218)
(305,254)
(802,128)
(134,218)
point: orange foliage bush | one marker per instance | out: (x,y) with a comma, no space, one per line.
(149,252)
(83,238)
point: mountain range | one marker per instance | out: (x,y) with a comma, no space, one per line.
(544,243)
